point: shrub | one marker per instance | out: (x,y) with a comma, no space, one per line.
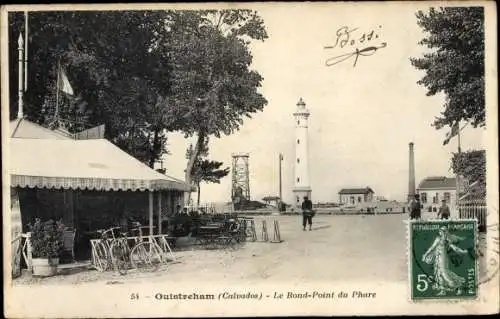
(47,239)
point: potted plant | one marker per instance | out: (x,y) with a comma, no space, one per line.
(47,243)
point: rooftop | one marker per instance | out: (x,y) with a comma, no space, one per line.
(364,190)
(438,182)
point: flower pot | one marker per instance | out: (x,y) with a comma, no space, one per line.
(44,267)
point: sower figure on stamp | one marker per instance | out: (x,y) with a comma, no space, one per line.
(444,210)
(438,255)
(307,213)
(415,207)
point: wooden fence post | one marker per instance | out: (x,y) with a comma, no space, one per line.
(276,232)
(265,236)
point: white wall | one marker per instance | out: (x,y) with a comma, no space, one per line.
(346,198)
(440,194)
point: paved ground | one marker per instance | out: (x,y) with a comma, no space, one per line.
(352,248)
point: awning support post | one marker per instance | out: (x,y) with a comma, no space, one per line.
(159,213)
(150,212)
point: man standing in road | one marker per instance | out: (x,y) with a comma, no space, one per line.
(307,213)
(415,207)
(444,210)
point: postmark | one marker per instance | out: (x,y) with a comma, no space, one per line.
(443,260)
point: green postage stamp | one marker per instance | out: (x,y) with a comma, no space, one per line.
(443,259)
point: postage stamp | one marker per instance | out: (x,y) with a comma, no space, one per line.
(443,259)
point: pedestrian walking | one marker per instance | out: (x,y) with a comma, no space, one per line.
(444,210)
(415,207)
(307,213)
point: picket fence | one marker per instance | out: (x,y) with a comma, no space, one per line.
(474,208)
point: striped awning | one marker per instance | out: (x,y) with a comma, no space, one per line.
(83,164)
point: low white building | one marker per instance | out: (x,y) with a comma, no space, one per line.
(354,196)
(434,189)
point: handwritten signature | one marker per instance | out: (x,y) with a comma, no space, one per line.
(345,38)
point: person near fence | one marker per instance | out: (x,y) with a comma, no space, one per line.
(307,213)
(444,210)
(415,207)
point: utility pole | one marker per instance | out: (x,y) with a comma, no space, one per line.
(280,183)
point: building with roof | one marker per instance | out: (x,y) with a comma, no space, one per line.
(88,183)
(434,189)
(354,196)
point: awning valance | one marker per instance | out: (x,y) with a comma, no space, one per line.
(83,164)
(98,184)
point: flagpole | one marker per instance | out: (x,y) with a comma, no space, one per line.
(26,51)
(458,138)
(457,174)
(56,115)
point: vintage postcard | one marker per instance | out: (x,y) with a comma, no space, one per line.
(250,159)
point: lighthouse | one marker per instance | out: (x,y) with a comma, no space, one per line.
(301,181)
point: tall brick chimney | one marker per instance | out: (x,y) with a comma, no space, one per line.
(411,174)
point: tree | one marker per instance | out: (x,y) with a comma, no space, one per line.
(144,73)
(209,172)
(118,78)
(455,63)
(212,87)
(471,165)
(205,170)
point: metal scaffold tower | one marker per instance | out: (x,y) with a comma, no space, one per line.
(241,182)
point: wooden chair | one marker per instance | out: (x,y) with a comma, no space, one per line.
(69,242)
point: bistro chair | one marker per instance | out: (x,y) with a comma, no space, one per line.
(69,242)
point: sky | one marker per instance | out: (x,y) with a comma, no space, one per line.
(362,118)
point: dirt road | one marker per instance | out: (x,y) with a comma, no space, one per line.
(357,248)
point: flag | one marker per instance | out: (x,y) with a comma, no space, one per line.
(64,83)
(454,131)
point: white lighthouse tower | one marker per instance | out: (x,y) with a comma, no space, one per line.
(301,182)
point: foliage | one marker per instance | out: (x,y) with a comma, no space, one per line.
(47,238)
(455,63)
(142,73)
(205,170)
(471,165)
(213,88)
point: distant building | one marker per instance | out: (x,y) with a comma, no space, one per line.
(353,196)
(434,189)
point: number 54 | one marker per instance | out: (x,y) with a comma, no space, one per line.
(422,283)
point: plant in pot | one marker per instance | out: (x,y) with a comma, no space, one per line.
(47,243)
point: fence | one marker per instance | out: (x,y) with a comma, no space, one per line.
(474,208)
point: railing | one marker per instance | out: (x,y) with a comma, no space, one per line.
(475,209)
(16,255)
(26,249)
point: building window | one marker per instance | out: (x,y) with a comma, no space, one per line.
(298,141)
(298,122)
(298,199)
(447,197)
(423,198)
(437,198)
(359,199)
(298,160)
(352,200)
(298,179)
